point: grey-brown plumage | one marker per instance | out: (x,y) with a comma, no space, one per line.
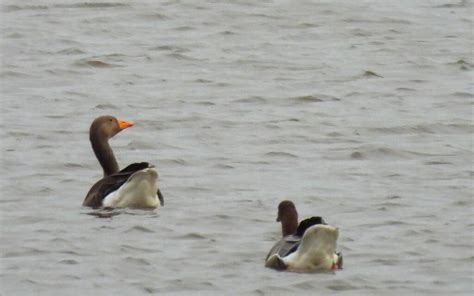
(288,244)
(113,182)
(285,246)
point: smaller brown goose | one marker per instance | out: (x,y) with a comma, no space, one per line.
(309,246)
(134,186)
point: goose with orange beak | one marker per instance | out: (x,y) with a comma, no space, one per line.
(134,186)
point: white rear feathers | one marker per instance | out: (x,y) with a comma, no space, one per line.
(140,191)
(316,251)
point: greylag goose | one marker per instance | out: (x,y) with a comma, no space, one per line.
(134,186)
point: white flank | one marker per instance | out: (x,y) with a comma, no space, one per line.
(316,251)
(138,192)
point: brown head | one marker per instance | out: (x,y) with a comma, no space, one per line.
(288,216)
(107,126)
(102,129)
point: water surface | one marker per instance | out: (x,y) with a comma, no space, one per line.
(360,112)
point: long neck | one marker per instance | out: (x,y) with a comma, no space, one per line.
(289,224)
(104,154)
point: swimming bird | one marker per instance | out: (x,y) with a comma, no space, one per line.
(134,186)
(309,246)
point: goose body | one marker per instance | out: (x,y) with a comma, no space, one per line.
(139,191)
(316,251)
(304,247)
(134,186)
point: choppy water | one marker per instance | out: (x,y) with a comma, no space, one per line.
(359,111)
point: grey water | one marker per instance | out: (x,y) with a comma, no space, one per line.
(358,111)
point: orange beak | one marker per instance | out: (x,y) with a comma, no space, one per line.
(123,124)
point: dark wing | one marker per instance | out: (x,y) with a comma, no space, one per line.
(307,223)
(134,167)
(160,197)
(285,246)
(111,183)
